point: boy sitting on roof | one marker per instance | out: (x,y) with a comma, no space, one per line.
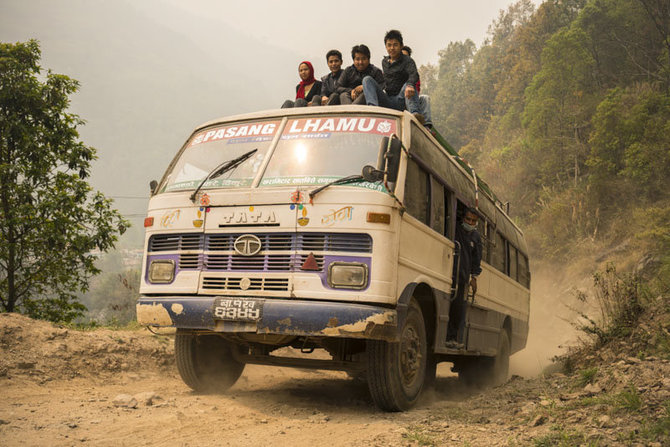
(329,95)
(424,100)
(400,75)
(350,84)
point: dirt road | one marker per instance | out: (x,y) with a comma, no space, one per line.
(61,387)
(269,406)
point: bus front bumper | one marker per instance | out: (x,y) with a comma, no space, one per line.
(279,316)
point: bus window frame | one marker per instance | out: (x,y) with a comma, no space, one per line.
(508,232)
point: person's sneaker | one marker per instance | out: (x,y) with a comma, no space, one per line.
(420,118)
(453,344)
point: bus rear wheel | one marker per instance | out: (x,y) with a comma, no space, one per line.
(396,371)
(206,362)
(487,371)
(499,366)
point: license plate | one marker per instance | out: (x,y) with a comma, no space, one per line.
(238,309)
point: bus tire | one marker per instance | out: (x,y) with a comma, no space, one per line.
(206,362)
(396,371)
(499,366)
(431,372)
(470,372)
(487,371)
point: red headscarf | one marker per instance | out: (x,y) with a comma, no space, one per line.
(308,81)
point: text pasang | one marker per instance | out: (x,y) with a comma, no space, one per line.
(267,129)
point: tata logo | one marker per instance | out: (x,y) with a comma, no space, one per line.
(247,245)
(242,217)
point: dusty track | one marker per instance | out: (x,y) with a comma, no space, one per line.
(58,388)
(276,406)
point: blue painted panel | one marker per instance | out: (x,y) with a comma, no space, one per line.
(289,317)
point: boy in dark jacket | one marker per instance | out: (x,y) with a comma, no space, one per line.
(350,84)
(329,95)
(400,76)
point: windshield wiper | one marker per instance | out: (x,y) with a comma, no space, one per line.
(339,181)
(222,169)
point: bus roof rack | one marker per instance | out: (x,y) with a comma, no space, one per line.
(481,184)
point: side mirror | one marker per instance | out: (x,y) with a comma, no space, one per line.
(381,154)
(152,186)
(388,160)
(393,160)
(372,175)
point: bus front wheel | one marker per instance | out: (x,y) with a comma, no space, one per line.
(206,362)
(396,371)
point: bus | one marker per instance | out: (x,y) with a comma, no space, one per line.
(329,229)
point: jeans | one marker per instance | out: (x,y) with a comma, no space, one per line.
(424,109)
(333,100)
(345,98)
(457,312)
(377,97)
(300,102)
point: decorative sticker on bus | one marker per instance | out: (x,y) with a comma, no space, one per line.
(211,183)
(303,220)
(317,180)
(341,215)
(323,127)
(239,133)
(170,218)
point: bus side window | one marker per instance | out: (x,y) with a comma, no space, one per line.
(450,213)
(417,196)
(498,253)
(437,211)
(482,227)
(513,263)
(524,274)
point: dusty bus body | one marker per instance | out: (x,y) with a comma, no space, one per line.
(266,253)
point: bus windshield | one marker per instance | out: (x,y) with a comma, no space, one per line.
(213,146)
(310,151)
(318,150)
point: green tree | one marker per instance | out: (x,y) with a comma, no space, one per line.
(112,296)
(52,223)
(630,144)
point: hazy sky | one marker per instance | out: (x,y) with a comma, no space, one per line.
(312,28)
(151,70)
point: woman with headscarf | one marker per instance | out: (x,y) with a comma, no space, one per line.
(307,89)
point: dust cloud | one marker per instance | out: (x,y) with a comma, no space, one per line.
(552,295)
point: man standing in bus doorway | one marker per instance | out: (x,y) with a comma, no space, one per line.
(469,268)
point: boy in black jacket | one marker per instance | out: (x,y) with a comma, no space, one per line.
(400,76)
(350,84)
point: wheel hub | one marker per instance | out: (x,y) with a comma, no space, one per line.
(410,355)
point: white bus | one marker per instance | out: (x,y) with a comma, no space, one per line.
(264,234)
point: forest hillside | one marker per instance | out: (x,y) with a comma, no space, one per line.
(565,110)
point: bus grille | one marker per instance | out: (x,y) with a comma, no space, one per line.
(280,252)
(231,283)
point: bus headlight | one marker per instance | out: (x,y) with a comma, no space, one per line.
(161,271)
(347,275)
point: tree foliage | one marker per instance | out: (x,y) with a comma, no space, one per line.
(51,221)
(113,296)
(564,109)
